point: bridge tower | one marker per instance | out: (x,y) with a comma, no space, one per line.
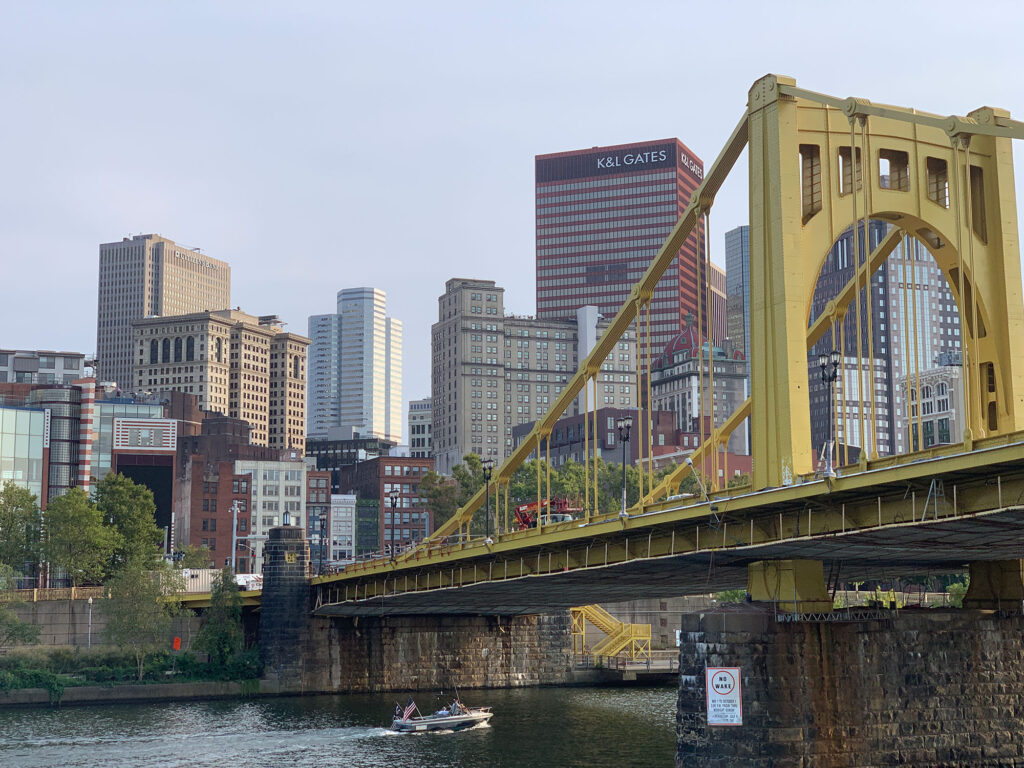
(819,166)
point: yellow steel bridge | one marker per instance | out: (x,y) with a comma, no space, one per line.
(815,170)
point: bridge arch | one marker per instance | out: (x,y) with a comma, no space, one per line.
(892,343)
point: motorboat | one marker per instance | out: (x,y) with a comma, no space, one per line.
(456,717)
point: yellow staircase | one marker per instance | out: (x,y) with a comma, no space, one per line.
(620,637)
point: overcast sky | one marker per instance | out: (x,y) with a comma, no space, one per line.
(320,146)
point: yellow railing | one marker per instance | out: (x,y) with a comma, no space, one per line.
(63,593)
(620,636)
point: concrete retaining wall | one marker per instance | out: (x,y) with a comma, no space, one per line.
(66,623)
(95,694)
(938,687)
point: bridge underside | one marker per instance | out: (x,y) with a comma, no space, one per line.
(898,549)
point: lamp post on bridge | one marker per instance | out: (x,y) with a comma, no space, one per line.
(829,363)
(234,533)
(623,425)
(488,466)
(394,520)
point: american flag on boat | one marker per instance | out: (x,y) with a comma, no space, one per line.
(409,709)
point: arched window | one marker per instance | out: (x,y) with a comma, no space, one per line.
(190,348)
(913,394)
(154,351)
(177,349)
(926,391)
(295,367)
(220,355)
(940,388)
(165,356)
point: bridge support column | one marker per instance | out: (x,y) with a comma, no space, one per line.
(996,584)
(285,606)
(796,586)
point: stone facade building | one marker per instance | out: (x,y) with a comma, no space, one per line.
(492,371)
(683,382)
(235,363)
(150,275)
(420,425)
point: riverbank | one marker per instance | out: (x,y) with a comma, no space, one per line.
(147,693)
(200,690)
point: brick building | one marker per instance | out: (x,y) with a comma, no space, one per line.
(394,479)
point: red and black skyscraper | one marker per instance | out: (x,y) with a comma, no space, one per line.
(602,215)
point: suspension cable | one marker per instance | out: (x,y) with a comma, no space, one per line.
(962,299)
(711,347)
(904,283)
(700,345)
(856,260)
(976,394)
(650,407)
(867,174)
(586,445)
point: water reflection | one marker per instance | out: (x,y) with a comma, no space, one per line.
(589,727)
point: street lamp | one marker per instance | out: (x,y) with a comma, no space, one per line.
(623,425)
(394,520)
(323,541)
(488,467)
(90,623)
(234,533)
(829,363)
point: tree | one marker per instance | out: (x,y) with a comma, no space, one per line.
(130,510)
(76,539)
(442,495)
(141,609)
(13,631)
(20,522)
(191,556)
(221,635)
(445,495)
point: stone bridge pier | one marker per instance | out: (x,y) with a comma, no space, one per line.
(303,653)
(940,687)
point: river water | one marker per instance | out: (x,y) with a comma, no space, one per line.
(586,727)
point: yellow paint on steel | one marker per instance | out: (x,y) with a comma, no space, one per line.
(789,240)
(202,599)
(686,525)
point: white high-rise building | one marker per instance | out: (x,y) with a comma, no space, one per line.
(355,368)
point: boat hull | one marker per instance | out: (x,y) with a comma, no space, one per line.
(436,723)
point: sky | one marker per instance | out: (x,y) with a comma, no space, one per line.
(317,146)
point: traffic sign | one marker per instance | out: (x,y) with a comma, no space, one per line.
(724,696)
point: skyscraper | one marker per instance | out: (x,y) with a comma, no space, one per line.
(355,370)
(737,281)
(492,371)
(150,275)
(602,214)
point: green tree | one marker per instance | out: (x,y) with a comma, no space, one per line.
(141,609)
(442,495)
(957,591)
(191,556)
(13,631)
(76,539)
(221,635)
(445,495)
(130,510)
(20,523)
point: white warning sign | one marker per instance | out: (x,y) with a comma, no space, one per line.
(725,699)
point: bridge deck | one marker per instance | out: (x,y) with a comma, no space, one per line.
(937,514)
